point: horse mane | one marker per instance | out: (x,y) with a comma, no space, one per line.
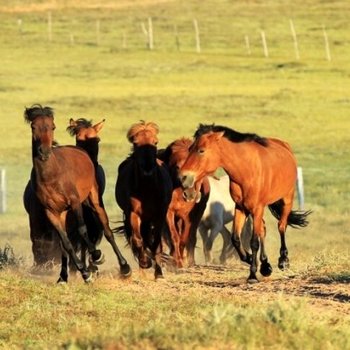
(35,111)
(230,134)
(80,123)
(142,126)
(177,146)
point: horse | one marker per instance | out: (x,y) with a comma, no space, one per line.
(218,213)
(63,178)
(143,192)
(45,240)
(262,173)
(185,209)
(87,137)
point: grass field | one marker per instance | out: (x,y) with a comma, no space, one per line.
(109,73)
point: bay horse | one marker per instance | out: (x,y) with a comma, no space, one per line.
(217,214)
(45,240)
(143,192)
(63,178)
(262,173)
(186,208)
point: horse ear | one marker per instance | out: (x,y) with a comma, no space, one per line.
(99,125)
(72,122)
(218,135)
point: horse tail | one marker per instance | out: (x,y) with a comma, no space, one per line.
(296,218)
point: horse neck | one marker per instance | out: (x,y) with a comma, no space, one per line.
(46,170)
(91,147)
(235,159)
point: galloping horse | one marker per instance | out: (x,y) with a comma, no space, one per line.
(87,137)
(218,213)
(185,209)
(63,178)
(143,192)
(262,173)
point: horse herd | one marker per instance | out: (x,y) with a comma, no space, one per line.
(165,196)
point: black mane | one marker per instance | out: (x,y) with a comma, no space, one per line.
(81,123)
(35,111)
(230,134)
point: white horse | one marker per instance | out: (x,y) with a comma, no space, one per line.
(219,212)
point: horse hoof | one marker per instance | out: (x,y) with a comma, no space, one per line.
(252,280)
(265,269)
(61,281)
(125,270)
(145,263)
(159,277)
(97,257)
(283,263)
(87,277)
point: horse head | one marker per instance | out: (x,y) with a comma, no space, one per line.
(144,138)
(83,129)
(41,120)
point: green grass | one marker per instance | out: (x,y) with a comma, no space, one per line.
(305,102)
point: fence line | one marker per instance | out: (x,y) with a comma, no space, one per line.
(201,38)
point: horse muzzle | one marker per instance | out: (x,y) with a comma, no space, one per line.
(44,153)
(190,194)
(187,180)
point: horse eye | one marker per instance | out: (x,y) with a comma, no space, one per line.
(54,127)
(200,151)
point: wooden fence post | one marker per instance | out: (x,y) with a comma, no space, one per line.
(263,39)
(295,40)
(2,191)
(196,31)
(300,187)
(326,43)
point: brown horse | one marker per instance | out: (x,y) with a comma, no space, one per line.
(262,173)
(63,178)
(45,240)
(143,192)
(185,209)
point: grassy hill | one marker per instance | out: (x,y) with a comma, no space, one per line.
(93,62)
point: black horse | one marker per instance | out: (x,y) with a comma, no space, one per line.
(143,192)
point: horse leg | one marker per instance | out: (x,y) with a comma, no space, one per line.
(137,246)
(59,223)
(283,260)
(265,267)
(192,241)
(203,231)
(175,238)
(96,255)
(258,232)
(227,247)
(238,223)
(157,250)
(125,269)
(64,266)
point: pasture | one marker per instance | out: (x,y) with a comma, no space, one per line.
(93,63)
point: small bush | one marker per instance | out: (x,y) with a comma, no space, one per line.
(8,258)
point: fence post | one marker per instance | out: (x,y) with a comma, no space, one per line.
(300,187)
(295,40)
(2,191)
(264,43)
(196,32)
